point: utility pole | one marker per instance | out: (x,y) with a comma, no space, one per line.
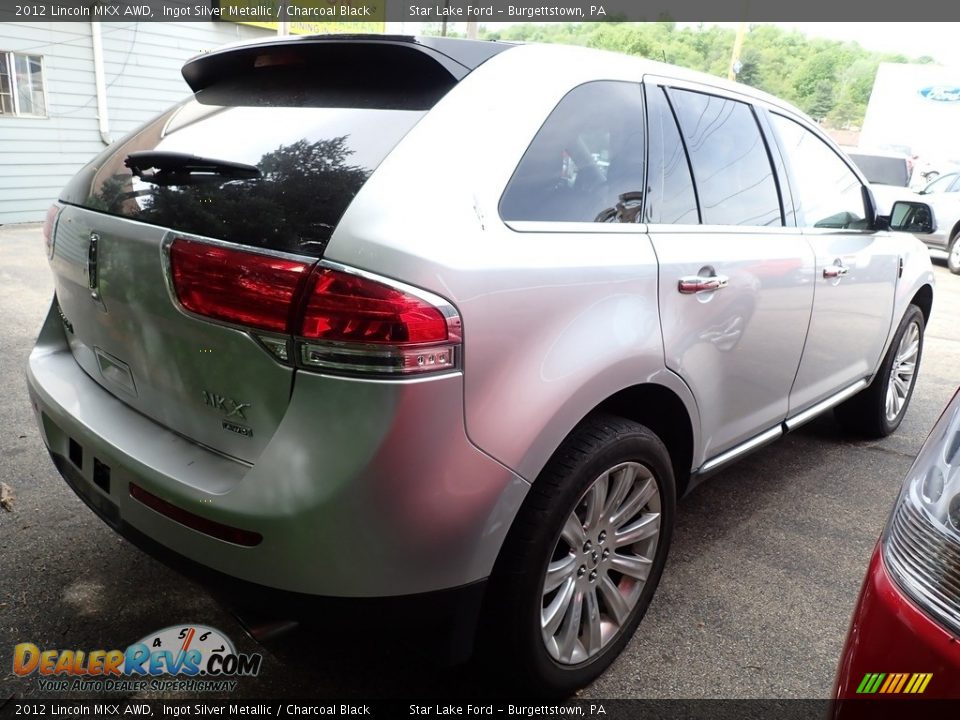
(737,48)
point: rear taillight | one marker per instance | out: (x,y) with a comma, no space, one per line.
(354,322)
(238,287)
(341,320)
(49,225)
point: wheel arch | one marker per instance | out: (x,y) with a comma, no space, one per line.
(923,299)
(660,409)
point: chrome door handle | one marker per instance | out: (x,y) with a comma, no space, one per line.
(835,271)
(699,284)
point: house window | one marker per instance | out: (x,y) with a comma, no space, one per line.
(21,84)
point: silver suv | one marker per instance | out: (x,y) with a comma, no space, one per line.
(457,324)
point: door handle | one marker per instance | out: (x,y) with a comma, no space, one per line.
(835,271)
(694,284)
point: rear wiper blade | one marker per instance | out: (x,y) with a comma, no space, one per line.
(173,168)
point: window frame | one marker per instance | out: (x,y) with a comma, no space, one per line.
(9,57)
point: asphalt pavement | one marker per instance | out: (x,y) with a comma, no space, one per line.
(764,570)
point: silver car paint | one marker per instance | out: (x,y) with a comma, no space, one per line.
(366,489)
(739,347)
(556,319)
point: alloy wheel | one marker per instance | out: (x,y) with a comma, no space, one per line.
(600,564)
(903,371)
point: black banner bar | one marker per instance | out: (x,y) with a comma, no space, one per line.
(515,710)
(484,11)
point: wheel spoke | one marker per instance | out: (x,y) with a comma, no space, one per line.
(909,352)
(593,638)
(901,386)
(553,614)
(569,633)
(906,370)
(558,571)
(636,566)
(596,500)
(572,532)
(613,600)
(641,495)
(646,526)
(622,483)
(891,392)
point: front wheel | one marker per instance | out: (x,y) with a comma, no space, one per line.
(878,410)
(953,255)
(583,558)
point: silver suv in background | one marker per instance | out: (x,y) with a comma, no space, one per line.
(456,325)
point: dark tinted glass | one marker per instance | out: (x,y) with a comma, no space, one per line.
(827,192)
(883,169)
(305,163)
(670,195)
(734,179)
(586,163)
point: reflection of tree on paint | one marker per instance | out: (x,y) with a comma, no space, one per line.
(303,190)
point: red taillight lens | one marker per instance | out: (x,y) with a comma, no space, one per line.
(236,286)
(342,307)
(48,224)
(342,321)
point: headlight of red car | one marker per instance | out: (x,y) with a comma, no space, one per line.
(921,544)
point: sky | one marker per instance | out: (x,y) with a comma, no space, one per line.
(938,40)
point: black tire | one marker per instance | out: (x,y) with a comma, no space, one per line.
(511,642)
(865,413)
(953,254)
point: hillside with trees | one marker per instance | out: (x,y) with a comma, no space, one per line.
(829,79)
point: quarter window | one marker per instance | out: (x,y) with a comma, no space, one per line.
(731,167)
(21,84)
(670,195)
(586,162)
(827,194)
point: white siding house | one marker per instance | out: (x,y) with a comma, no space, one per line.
(49,123)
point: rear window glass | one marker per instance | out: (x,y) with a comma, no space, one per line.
(883,170)
(302,158)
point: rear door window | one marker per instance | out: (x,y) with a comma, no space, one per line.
(735,180)
(586,162)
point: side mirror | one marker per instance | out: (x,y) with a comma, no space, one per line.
(912,217)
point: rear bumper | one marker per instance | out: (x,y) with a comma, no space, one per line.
(889,634)
(367,489)
(444,622)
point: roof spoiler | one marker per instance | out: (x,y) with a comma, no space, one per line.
(413,59)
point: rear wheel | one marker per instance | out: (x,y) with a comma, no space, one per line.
(583,558)
(879,409)
(953,254)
